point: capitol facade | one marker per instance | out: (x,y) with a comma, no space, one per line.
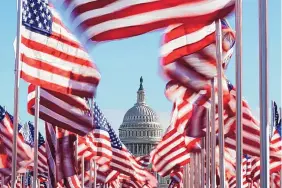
(141,130)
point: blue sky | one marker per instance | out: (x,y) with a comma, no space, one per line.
(121,64)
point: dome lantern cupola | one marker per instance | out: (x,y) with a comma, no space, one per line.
(141,93)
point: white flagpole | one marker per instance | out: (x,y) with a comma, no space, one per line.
(196,169)
(16,94)
(24,176)
(238,44)
(82,171)
(213,136)
(280,110)
(76,152)
(91,173)
(185,175)
(202,162)
(263,78)
(36,122)
(21,181)
(220,102)
(2,180)
(207,146)
(192,164)
(95,173)
(188,170)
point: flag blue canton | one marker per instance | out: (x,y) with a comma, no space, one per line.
(101,122)
(3,113)
(229,85)
(29,136)
(246,156)
(37,16)
(225,25)
(276,113)
(278,128)
(28,179)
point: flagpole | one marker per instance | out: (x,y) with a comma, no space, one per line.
(280,110)
(16,94)
(2,180)
(213,135)
(185,175)
(196,169)
(21,181)
(91,173)
(199,169)
(263,78)
(220,102)
(82,171)
(24,176)
(94,162)
(95,173)
(207,146)
(238,44)
(202,162)
(192,164)
(76,151)
(36,122)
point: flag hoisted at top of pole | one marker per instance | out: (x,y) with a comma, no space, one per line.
(51,57)
(109,20)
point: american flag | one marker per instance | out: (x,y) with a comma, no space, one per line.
(104,175)
(275,166)
(128,182)
(24,152)
(144,160)
(277,119)
(122,160)
(276,114)
(97,144)
(28,134)
(250,132)
(108,20)
(5,161)
(66,158)
(174,149)
(28,180)
(188,53)
(51,148)
(63,110)
(176,177)
(51,57)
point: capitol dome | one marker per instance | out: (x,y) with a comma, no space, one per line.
(140,113)
(140,130)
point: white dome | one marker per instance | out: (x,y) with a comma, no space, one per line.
(140,122)
(140,113)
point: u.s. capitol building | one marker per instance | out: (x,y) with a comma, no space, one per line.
(141,130)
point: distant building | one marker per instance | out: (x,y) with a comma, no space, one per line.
(141,131)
